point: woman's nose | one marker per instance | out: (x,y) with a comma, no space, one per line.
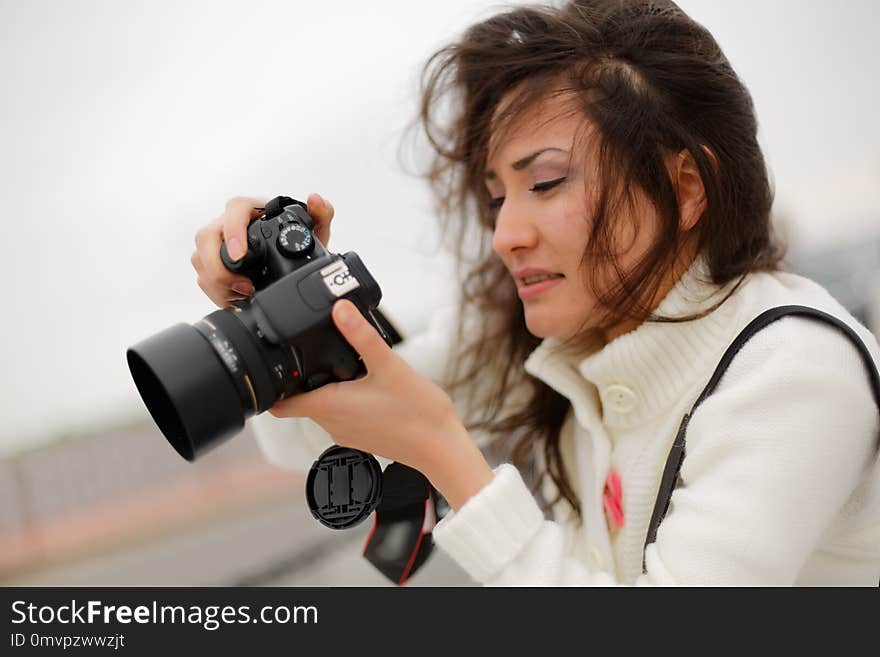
(514,229)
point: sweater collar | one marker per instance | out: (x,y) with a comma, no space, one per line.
(644,372)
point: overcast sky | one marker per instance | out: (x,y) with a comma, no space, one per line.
(126,126)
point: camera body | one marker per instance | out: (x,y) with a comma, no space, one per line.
(201,382)
(297,280)
(279,241)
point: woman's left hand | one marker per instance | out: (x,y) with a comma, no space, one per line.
(393,412)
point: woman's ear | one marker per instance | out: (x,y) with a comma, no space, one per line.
(689,188)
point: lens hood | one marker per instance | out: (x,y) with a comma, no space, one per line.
(187,389)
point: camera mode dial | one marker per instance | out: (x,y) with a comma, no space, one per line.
(295,240)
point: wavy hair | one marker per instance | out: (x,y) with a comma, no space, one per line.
(652,82)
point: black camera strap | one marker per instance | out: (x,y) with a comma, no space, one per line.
(345,485)
(401,539)
(670,478)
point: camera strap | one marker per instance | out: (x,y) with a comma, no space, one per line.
(401,540)
(670,479)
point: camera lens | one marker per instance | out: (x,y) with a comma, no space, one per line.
(200,383)
(186,389)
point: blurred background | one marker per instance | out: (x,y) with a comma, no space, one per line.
(125,126)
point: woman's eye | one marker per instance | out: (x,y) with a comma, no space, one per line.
(547,184)
(496,202)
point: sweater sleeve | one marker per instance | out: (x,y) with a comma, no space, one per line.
(772,456)
(500,538)
(295,443)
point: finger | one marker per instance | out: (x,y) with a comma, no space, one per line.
(322,212)
(222,295)
(215,294)
(308,404)
(206,261)
(360,334)
(208,241)
(239,212)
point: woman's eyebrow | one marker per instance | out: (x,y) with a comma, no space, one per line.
(522,163)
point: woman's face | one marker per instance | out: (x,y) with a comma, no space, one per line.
(541,179)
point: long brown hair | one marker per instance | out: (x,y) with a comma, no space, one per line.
(652,81)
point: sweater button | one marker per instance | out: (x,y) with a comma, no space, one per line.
(619,398)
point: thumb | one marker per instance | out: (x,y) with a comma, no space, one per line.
(306,404)
(360,334)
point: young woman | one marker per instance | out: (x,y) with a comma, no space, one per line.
(602,169)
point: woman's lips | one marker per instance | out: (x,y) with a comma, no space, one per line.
(533,289)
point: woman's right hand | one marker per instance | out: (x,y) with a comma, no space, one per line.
(221,285)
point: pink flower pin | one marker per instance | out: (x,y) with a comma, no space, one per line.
(612,500)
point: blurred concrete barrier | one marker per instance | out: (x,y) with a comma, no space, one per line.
(94,494)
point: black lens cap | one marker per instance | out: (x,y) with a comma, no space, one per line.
(344,487)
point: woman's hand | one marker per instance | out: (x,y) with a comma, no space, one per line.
(221,285)
(393,412)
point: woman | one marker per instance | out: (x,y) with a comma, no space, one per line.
(603,159)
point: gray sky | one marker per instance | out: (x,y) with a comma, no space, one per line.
(126,125)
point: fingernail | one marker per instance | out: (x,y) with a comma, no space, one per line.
(243,288)
(233,246)
(345,314)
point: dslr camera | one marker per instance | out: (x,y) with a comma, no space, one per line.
(201,381)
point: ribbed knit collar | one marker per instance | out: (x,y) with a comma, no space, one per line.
(653,364)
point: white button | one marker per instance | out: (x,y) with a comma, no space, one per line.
(619,398)
(596,557)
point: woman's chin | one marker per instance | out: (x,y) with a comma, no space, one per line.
(542,326)
(549,322)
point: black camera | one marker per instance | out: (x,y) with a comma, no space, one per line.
(200,382)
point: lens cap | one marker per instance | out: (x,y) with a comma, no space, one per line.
(344,487)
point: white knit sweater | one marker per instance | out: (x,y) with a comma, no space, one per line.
(781,480)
